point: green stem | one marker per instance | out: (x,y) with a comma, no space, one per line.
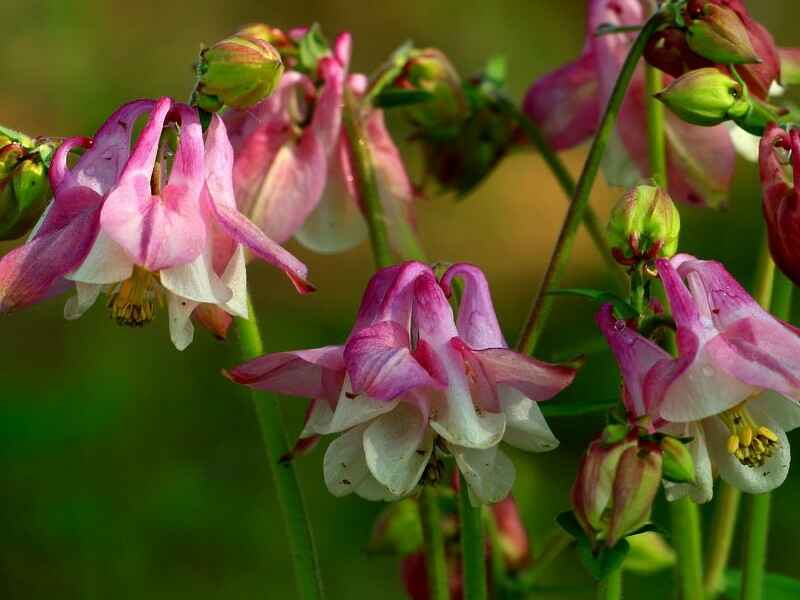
(765,277)
(781,304)
(656,147)
(686,540)
(472,547)
(435,560)
(610,588)
(542,305)
(755,547)
(719,547)
(290,498)
(565,180)
(367,182)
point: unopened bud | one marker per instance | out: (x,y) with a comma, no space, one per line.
(511,533)
(790,65)
(718,34)
(644,224)
(430,71)
(24,192)
(636,483)
(706,97)
(267,33)
(398,529)
(678,464)
(239,72)
(669,51)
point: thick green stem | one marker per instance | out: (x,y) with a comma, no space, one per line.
(656,146)
(611,587)
(367,183)
(435,560)
(719,547)
(686,540)
(472,546)
(755,547)
(290,498)
(565,180)
(542,305)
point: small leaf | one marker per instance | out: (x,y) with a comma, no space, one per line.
(569,523)
(622,309)
(392,98)
(312,47)
(648,527)
(776,586)
(604,562)
(575,409)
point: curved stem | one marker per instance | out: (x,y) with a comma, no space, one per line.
(611,587)
(367,182)
(435,561)
(540,310)
(686,539)
(472,547)
(567,183)
(290,498)
(656,147)
(719,547)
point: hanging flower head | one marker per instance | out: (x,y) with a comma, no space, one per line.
(144,226)
(734,387)
(293,173)
(413,381)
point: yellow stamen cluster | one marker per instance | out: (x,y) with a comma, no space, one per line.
(133,302)
(750,443)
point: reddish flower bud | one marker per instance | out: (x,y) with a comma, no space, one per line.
(669,51)
(718,34)
(512,533)
(637,480)
(429,70)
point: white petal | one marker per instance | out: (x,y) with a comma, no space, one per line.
(196,281)
(751,480)
(526,428)
(371,489)
(397,446)
(785,412)
(352,409)
(703,488)
(489,473)
(235,277)
(181,330)
(85,296)
(344,466)
(106,262)
(745,143)
(458,422)
(319,419)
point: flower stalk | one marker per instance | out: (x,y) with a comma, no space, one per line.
(435,560)
(657,148)
(611,587)
(472,546)
(290,498)
(686,539)
(722,529)
(534,325)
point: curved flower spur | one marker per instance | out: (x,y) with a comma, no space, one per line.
(413,382)
(125,223)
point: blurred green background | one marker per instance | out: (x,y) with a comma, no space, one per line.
(130,470)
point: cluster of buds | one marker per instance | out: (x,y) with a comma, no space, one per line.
(239,71)
(644,225)
(24,188)
(618,478)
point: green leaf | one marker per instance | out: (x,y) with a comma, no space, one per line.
(311,48)
(392,98)
(622,309)
(390,70)
(575,409)
(601,564)
(776,586)
(16,136)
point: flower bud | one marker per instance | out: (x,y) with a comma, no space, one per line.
(272,35)
(398,529)
(706,97)
(668,50)
(429,70)
(239,72)
(511,533)
(24,191)
(678,465)
(644,225)
(636,483)
(718,34)
(790,66)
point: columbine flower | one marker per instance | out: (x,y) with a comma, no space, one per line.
(733,387)
(782,197)
(567,104)
(410,378)
(293,172)
(121,224)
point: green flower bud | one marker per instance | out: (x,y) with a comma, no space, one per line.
(706,97)
(718,34)
(430,71)
(239,72)
(24,191)
(678,465)
(644,224)
(398,529)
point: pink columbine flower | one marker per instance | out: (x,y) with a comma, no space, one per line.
(293,172)
(733,388)
(121,225)
(411,373)
(568,103)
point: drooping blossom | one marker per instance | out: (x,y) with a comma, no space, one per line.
(781,197)
(124,223)
(568,103)
(294,174)
(733,388)
(414,380)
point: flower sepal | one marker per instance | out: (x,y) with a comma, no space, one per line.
(717,33)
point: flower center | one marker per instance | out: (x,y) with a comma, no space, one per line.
(750,443)
(134,301)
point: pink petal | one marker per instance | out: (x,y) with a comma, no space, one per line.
(343,48)
(482,382)
(477,322)
(327,121)
(433,319)
(380,363)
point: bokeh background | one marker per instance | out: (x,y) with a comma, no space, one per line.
(130,470)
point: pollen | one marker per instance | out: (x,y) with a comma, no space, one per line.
(750,443)
(133,302)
